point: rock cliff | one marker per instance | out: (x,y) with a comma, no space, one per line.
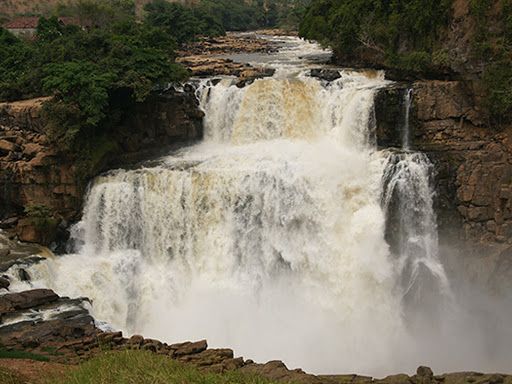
(42,187)
(473,175)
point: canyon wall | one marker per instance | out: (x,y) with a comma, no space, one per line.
(42,188)
(473,175)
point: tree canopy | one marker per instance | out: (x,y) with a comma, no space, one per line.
(404,32)
(95,73)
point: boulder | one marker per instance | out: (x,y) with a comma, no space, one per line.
(23,275)
(208,357)
(18,301)
(325,74)
(188,348)
(277,370)
(4,283)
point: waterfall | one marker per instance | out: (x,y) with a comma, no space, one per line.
(267,237)
(406,133)
(411,228)
(412,231)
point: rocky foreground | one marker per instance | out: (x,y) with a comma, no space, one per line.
(62,329)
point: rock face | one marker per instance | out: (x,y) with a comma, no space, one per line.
(473,166)
(62,329)
(474,163)
(34,174)
(40,320)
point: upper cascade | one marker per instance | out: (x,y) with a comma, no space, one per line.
(294,107)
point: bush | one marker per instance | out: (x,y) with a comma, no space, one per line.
(497,80)
(14,354)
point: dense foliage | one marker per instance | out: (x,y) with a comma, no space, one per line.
(408,35)
(493,47)
(95,74)
(403,32)
(214,17)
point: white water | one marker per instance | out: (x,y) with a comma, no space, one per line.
(406,133)
(268,237)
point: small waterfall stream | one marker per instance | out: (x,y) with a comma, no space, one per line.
(411,228)
(270,236)
(406,133)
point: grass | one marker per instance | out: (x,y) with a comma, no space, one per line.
(8,354)
(143,367)
(8,377)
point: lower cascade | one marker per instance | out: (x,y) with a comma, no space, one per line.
(270,236)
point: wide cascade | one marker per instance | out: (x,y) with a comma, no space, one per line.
(268,237)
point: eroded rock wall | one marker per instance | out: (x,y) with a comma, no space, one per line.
(474,162)
(473,176)
(34,173)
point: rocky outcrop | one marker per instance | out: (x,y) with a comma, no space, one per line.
(214,56)
(473,176)
(207,66)
(231,43)
(474,162)
(41,322)
(48,185)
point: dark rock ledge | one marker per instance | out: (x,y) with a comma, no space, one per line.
(62,329)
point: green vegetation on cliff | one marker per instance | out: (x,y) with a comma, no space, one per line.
(95,74)
(403,34)
(413,37)
(493,49)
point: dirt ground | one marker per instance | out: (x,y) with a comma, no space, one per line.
(34,372)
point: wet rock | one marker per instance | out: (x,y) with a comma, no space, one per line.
(9,223)
(247,77)
(18,301)
(23,275)
(4,252)
(390,115)
(325,74)
(7,146)
(4,283)
(35,230)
